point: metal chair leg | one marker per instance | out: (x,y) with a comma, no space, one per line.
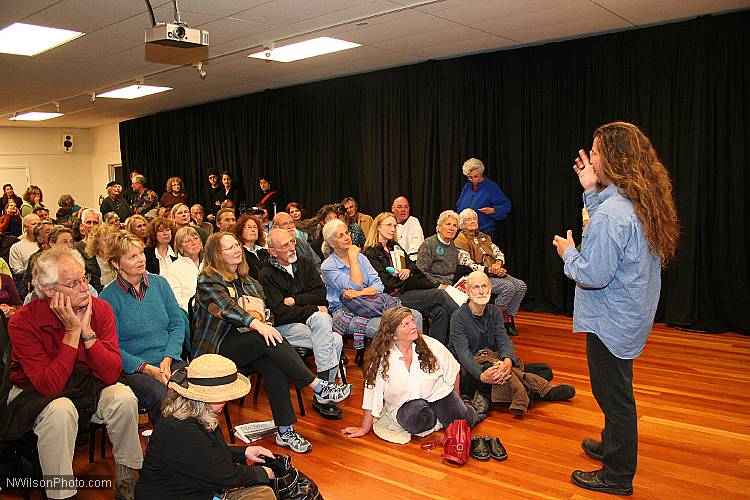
(230,429)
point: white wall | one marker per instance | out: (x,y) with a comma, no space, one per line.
(82,173)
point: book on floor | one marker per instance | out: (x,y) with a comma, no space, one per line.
(255,431)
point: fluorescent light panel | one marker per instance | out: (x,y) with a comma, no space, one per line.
(29,40)
(35,116)
(306,49)
(133,92)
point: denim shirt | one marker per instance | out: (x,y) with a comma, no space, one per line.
(336,278)
(618,279)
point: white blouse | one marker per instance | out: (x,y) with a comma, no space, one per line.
(165,262)
(405,385)
(182,276)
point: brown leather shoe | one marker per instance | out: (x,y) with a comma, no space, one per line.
(479,448)
(497,450)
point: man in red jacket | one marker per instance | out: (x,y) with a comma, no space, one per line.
(65,365)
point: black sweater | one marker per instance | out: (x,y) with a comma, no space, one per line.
(185,461)
(306,287)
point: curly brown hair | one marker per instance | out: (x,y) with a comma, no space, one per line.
(631,163)
(240,225)
(376,357)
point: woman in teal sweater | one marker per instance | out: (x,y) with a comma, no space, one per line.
(150,326)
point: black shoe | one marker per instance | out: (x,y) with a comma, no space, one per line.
(479,448)
(497,450)
(561,392)
(330,411)
(596,481)
(593,448)
(511,329)
(481,403)
(344,359)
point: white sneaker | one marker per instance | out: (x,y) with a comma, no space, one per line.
(290,439)
(333,393)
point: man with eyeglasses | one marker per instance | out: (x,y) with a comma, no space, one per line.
(65,363)
(283,220)
(296,295)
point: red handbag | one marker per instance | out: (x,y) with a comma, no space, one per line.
(456,443)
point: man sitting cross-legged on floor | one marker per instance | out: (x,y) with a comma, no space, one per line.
(64,368)
(296,295)
(489,368)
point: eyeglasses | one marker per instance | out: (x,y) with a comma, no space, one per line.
(230,248)
(289,245)
(77,283)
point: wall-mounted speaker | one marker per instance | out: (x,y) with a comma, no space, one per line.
(67,142)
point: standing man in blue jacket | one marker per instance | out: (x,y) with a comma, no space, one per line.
(482,195)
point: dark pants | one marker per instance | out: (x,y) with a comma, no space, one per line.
(435,303)
(278,364)
(419,415)
(149,391)
(612,386)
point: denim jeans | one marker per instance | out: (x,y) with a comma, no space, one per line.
(419,415)
(316,334)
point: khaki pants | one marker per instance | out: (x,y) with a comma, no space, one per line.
(56,428)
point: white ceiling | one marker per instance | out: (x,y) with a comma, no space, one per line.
(392,33)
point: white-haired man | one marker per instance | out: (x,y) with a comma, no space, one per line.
(90,218)
(283,220)
(296,295)
(20,251)
(64,367)
(114,202)
(408,230)
(490,369)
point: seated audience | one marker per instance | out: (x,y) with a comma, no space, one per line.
(187,456)
(438,256)
(90,218)
(409,230)
(348,274)
(138,226)
(297,298)
(183,273)
(180,216)
(174,193)
(9,195)
(269,196)
(99,271)
(358,235)
(9,298)
(410,382)
(159,252)
(66,362)
(476,250)
(150,326)
(112,219)
(67,212)
(295,211)
(248,231)
(483,195)
(284,221)
(19,254)
(32,198)
(225,220)
(314,227)
(145,200)
(162,212)
(490,370)
(114,202)
(42,213)
(230,320)
(11,221)
(41,235)
(352,215)
(197,215)
(402,278)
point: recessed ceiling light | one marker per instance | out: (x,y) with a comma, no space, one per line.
(29,40)
(133,92)
(35,116)
(304,50)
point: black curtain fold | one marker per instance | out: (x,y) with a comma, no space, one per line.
(525,113)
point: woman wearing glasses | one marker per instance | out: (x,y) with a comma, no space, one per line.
(150,326)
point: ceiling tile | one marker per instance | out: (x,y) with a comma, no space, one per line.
(645,12)
(422,40)
(85,15)
(15,11)
(457,48)
(284,12)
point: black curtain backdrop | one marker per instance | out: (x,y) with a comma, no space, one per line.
(525,113)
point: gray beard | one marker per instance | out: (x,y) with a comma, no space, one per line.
(482,301)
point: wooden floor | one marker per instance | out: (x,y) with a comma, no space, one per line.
(694,419)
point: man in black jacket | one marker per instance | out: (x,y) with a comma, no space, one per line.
(296,295)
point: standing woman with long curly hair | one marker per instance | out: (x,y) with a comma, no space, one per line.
(632,233)
(400,361)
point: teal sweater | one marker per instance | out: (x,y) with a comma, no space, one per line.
(149,330)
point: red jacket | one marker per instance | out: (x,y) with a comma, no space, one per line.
(40,358)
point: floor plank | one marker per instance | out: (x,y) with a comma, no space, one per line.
(694,421)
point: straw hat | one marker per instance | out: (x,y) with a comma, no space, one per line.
(210,378)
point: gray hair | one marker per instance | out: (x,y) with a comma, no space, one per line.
(329,232)
(473,164)
(47,267)
(445,215)
(57,231)
(140,180)
(464,214)
(476,275)
(111,218)
(25,221)
(38,228)
(93,210)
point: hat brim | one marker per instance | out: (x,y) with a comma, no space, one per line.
(214,394)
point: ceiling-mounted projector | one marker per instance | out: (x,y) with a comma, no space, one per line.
(176,35)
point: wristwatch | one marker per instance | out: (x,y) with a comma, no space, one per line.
(90,337)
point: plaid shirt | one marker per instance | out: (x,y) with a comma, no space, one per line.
(217,312)
(148,200)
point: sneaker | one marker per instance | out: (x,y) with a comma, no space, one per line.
(290,439)
(333,393)
(481,402)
